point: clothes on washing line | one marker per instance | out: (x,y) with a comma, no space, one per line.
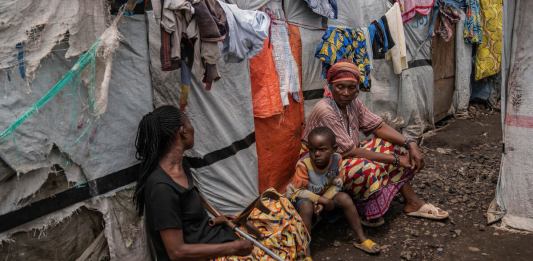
(398,53)
(380,38)
(247,30)
(489,52)
(445,14)
(410,8)
(473,31)
(200,22)
(326,8)
(286,65)
(344,43)
(211,20)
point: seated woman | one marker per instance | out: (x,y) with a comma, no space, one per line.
(177,225)
(374,170)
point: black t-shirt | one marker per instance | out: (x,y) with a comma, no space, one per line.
(169,205)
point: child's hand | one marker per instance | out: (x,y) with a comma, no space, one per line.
(327,203)
(318,209)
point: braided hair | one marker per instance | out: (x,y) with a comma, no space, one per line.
(155,135)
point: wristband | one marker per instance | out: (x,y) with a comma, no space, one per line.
(406,144)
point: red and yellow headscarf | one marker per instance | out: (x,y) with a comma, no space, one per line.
(343,71)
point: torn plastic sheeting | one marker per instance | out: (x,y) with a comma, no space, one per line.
(41,24)
(123,229)
(61,122)
(65,240)
(18,188)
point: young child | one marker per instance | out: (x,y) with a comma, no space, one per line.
(317,186)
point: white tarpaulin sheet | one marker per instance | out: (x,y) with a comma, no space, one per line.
(515,186)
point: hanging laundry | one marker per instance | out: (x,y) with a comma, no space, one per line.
(284,60)
(175,17)
(473,30)
(20,59)
(489,52)
(211,20)
(380,38)
(398,53)
(202,22)
(247,30)
(344,43)
(326,8)
(410,8)
(446,14)
(186,83)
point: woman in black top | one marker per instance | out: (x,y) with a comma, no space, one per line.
(177,224)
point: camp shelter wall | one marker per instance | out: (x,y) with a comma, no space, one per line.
(514,193)
(107,148)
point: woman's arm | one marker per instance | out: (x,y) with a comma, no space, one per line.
(177,249)
(389,134)
(376,156)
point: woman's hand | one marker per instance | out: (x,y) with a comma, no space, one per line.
(405,162)
(242,247)
(416,157)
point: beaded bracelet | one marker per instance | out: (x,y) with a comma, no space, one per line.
(396,161)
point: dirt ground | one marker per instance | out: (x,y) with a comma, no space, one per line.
(462,166)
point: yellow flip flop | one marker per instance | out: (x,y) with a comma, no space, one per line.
(368,246)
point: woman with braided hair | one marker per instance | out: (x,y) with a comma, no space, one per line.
(176,223)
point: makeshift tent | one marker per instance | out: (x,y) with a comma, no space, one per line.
(64,166)
(514,194)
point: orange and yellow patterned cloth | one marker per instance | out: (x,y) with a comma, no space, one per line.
(281,227)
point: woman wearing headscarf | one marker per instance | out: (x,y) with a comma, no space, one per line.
(374,170)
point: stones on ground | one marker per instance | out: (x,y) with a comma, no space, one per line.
(457,232)
(444,150)
(473,249)
(481,228)
(336,243)
(407,255)
(414,233)
(496,234)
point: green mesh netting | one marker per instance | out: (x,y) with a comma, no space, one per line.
(88,59)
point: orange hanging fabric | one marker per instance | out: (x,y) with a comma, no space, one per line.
(277,162)
(265,83)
